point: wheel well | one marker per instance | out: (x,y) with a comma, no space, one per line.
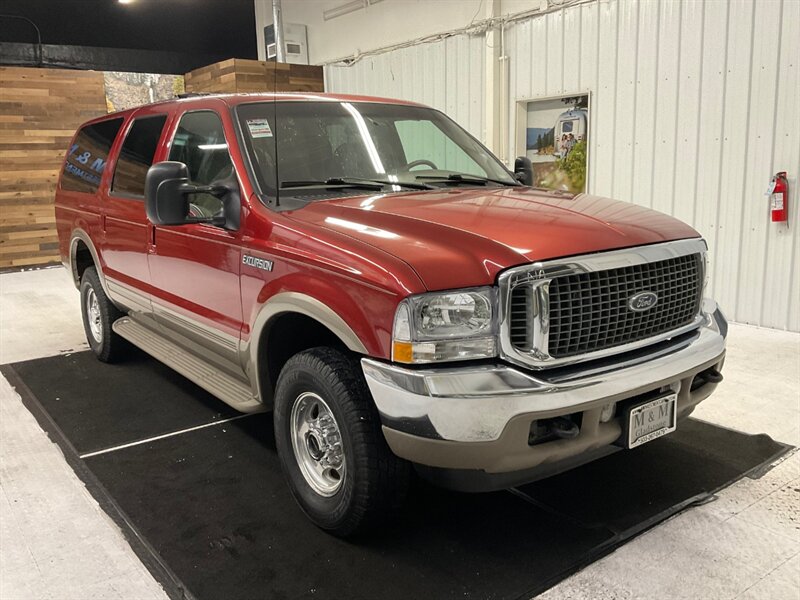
(286,335)
(83,259)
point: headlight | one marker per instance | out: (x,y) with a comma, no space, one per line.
(457,325)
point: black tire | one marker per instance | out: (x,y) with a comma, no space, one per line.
(108,347)
(375,482)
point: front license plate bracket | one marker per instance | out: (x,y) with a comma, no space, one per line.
(649,420)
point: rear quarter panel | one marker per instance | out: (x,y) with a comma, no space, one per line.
(74,211)
(82,211)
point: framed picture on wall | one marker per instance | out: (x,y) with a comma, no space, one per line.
(556,133)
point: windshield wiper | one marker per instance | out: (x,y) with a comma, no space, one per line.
(408,184)
(353,182)
(464,178)
(333,183)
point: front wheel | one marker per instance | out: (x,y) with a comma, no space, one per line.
(332,451)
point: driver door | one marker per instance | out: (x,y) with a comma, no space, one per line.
(194,268)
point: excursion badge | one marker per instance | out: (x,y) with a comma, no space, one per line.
(258,263)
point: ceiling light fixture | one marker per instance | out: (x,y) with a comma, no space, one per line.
(343,9)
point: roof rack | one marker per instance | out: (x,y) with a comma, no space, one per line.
(193,94)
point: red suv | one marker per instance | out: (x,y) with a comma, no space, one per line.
(371,273)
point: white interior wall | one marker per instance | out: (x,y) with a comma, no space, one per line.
(377,24)
(694,105)
(447,75)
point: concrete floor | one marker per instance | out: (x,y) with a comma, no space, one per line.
(55,541)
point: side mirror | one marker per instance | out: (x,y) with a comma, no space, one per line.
(166,192)
(523,170)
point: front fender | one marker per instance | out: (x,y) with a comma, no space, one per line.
(297,302)
(357,337)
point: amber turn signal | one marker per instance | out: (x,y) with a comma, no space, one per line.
(402,352)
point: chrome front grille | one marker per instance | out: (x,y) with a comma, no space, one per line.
(590,312)
(563,311)
(519,312)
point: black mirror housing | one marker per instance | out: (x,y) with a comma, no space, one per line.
(167,189)
(523,170)
(166,202)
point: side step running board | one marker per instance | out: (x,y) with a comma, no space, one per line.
(228,389)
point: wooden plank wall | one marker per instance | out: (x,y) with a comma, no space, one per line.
(40,109)
(246,76)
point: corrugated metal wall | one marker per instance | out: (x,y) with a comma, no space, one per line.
(694,105)
(448,75)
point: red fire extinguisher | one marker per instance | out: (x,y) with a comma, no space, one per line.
(779,198)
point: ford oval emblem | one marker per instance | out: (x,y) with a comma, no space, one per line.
(642,301)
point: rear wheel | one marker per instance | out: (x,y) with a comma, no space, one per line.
(332,451)
(99,313)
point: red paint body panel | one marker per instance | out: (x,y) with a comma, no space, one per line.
(359,256)
(127,230)
(194,269)
(464,237)
(361,283)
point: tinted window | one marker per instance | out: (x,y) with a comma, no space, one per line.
(136,155)
(315,141)
(87,156)
(200,143)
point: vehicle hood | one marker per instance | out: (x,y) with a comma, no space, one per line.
(464,237)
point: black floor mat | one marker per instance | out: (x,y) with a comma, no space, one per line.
(211,507)
(99,405)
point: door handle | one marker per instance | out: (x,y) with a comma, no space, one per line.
(151,239)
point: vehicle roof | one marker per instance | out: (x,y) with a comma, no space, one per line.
(236,99)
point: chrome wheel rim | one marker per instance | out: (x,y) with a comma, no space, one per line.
(317,444)
(93,316)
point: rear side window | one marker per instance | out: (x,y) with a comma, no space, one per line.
(87,156)
(136,156)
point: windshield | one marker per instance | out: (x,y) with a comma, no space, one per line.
(327,148)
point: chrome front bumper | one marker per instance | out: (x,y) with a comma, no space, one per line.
(475,403)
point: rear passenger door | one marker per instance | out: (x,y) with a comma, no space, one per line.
(195,268)
(126,228)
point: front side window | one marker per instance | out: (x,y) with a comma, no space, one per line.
(200,144)
(86,158)
(396,145)
(136,156)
